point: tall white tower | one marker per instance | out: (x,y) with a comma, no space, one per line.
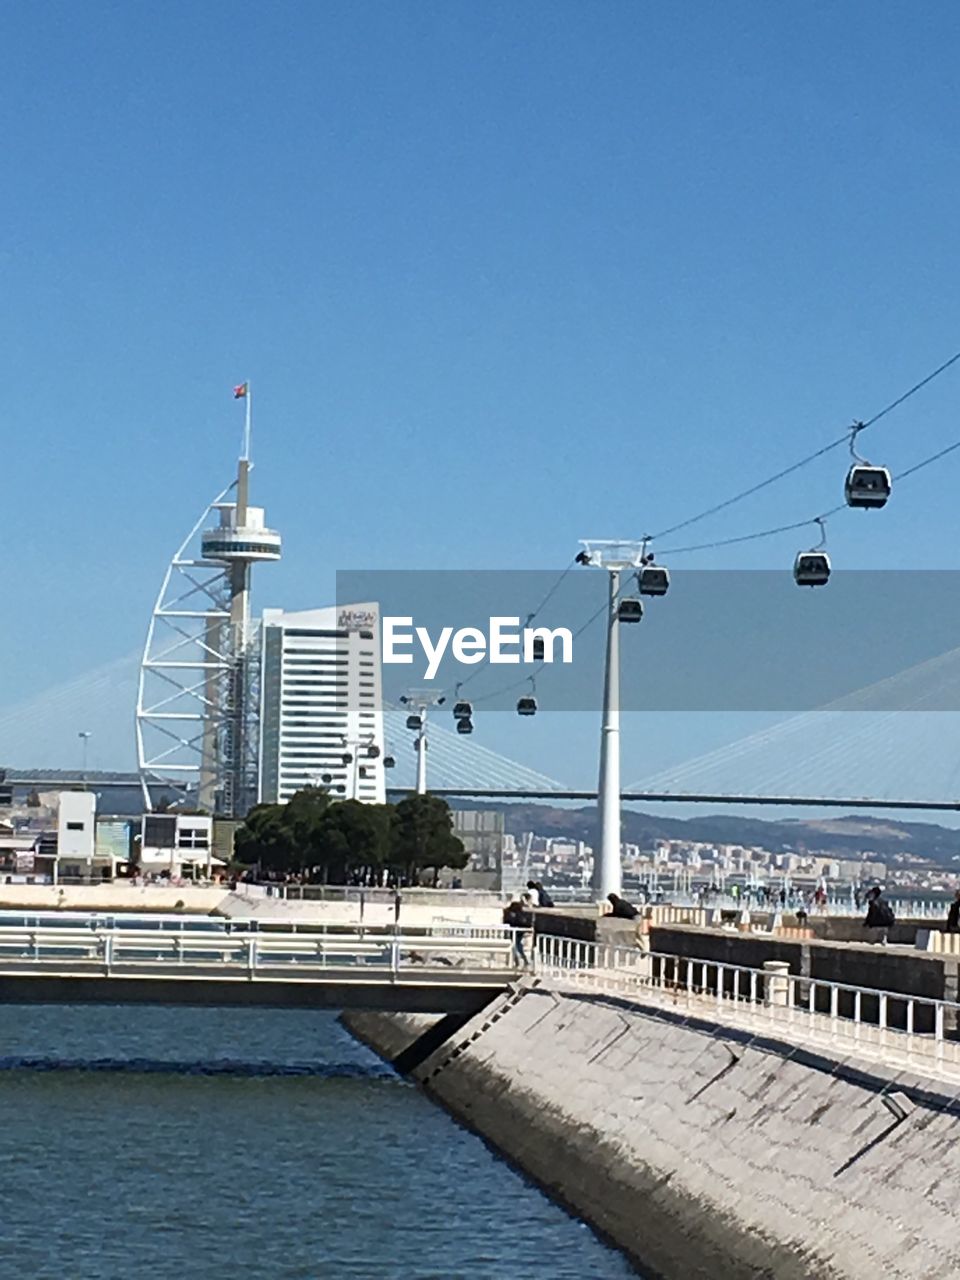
(198,699)
(322,719)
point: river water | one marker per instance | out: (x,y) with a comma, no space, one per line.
(197,1144)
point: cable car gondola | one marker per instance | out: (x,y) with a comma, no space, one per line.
(389,762)
(811,569)
(462,710)
(414,722)
(630,610)
(538,649)
(867,486)
(527,706)
(653,580)
(465,725)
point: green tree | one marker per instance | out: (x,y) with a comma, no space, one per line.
(423,837)
(354,837)
(304,817)
(332,840)
(264,839)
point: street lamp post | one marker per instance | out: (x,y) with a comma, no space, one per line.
(614,557)
(84,735)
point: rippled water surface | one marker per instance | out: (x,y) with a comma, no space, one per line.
(249,1145)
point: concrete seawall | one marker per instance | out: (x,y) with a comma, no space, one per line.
(702,1152)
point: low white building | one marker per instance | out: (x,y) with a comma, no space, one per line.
(177,844)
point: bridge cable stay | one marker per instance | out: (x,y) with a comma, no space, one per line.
(879,693)
(35,725)
(455,763)
(882,741)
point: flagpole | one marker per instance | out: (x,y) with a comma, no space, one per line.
(248,424)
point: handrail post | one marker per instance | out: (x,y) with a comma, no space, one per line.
(252,957)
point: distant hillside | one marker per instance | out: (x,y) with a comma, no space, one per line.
(842,837)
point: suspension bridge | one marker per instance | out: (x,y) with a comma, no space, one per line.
(847,755)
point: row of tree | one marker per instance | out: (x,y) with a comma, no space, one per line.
(344,841)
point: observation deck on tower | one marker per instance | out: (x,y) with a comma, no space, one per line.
(230,542)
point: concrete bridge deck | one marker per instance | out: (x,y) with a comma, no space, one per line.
(384,970)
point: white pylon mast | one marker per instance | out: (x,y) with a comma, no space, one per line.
(197,699)
(419,701)
(607,871)
(422,754)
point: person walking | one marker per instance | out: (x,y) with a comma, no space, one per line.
(518,917)
(880,918)
(953,915)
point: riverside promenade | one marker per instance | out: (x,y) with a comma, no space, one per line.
(349,907)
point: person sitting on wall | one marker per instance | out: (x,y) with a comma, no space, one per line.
(620,908)
(953,915)
(545,899)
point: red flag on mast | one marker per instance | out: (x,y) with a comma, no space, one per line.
(240,392)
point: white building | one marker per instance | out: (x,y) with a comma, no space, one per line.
(178,844)
(76,832)
(321,722)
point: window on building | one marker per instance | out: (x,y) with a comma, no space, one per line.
(74,826)
(193,838)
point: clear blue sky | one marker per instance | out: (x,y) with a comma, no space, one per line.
(502,276)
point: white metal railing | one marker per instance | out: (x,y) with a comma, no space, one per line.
(899,1028)
(373,954)
(184,922)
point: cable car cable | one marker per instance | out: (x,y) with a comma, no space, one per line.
(515,684)
(800,524)
(811,457)
(530,617)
